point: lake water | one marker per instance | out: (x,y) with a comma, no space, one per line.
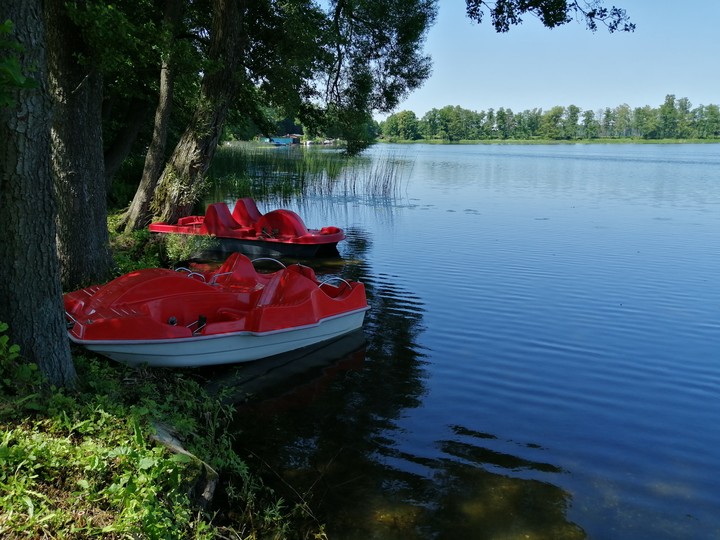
(542,356)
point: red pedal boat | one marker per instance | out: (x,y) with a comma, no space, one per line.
(278,233)
(162,317)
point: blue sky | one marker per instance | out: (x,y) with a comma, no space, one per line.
(675,49)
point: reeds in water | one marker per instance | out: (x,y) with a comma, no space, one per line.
(250,169)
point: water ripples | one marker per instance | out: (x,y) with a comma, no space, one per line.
(596,344)
(544,326)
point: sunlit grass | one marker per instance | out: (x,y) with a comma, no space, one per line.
(90,462)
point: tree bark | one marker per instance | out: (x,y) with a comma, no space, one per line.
(182,180)
(77,154)
(30,292)
(139,214)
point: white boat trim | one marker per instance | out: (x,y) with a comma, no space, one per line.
(231,347)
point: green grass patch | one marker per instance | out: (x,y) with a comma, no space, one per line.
(88,463)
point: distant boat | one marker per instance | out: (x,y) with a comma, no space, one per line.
(285,140)
(278,233)
(168,318)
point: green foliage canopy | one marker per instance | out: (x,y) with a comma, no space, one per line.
(327,66)
(507,13)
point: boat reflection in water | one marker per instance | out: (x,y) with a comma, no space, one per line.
(295,376)
(541,355)
(333,438)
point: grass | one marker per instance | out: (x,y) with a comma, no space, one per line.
(89,464)
(130,453)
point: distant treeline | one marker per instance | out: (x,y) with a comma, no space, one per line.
(674,119)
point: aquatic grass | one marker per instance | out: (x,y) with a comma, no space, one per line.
(380,178)
(250,169)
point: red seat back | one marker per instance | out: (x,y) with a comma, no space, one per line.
(246,212)
(218,219)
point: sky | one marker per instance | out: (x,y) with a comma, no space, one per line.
(675,49)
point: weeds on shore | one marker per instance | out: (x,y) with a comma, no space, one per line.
(87,463)
(91,462)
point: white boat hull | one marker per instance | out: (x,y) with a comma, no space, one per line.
(228,348)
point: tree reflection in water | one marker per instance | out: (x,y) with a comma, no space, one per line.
(327,436)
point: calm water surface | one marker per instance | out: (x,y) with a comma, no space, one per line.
(542,357)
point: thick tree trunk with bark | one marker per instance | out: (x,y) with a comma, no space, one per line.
(77,154)
(30,293)
(182,181)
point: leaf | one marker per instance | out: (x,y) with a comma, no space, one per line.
(80,425)
(147,463)
(119,451)
(182,458)
(139,439)
(31,507)
(142,411)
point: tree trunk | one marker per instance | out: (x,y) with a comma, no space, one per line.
(30,293)
(182,181)
(137,115)
(77,154)
(139,214)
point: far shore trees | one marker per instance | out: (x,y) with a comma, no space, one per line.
(674,119)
